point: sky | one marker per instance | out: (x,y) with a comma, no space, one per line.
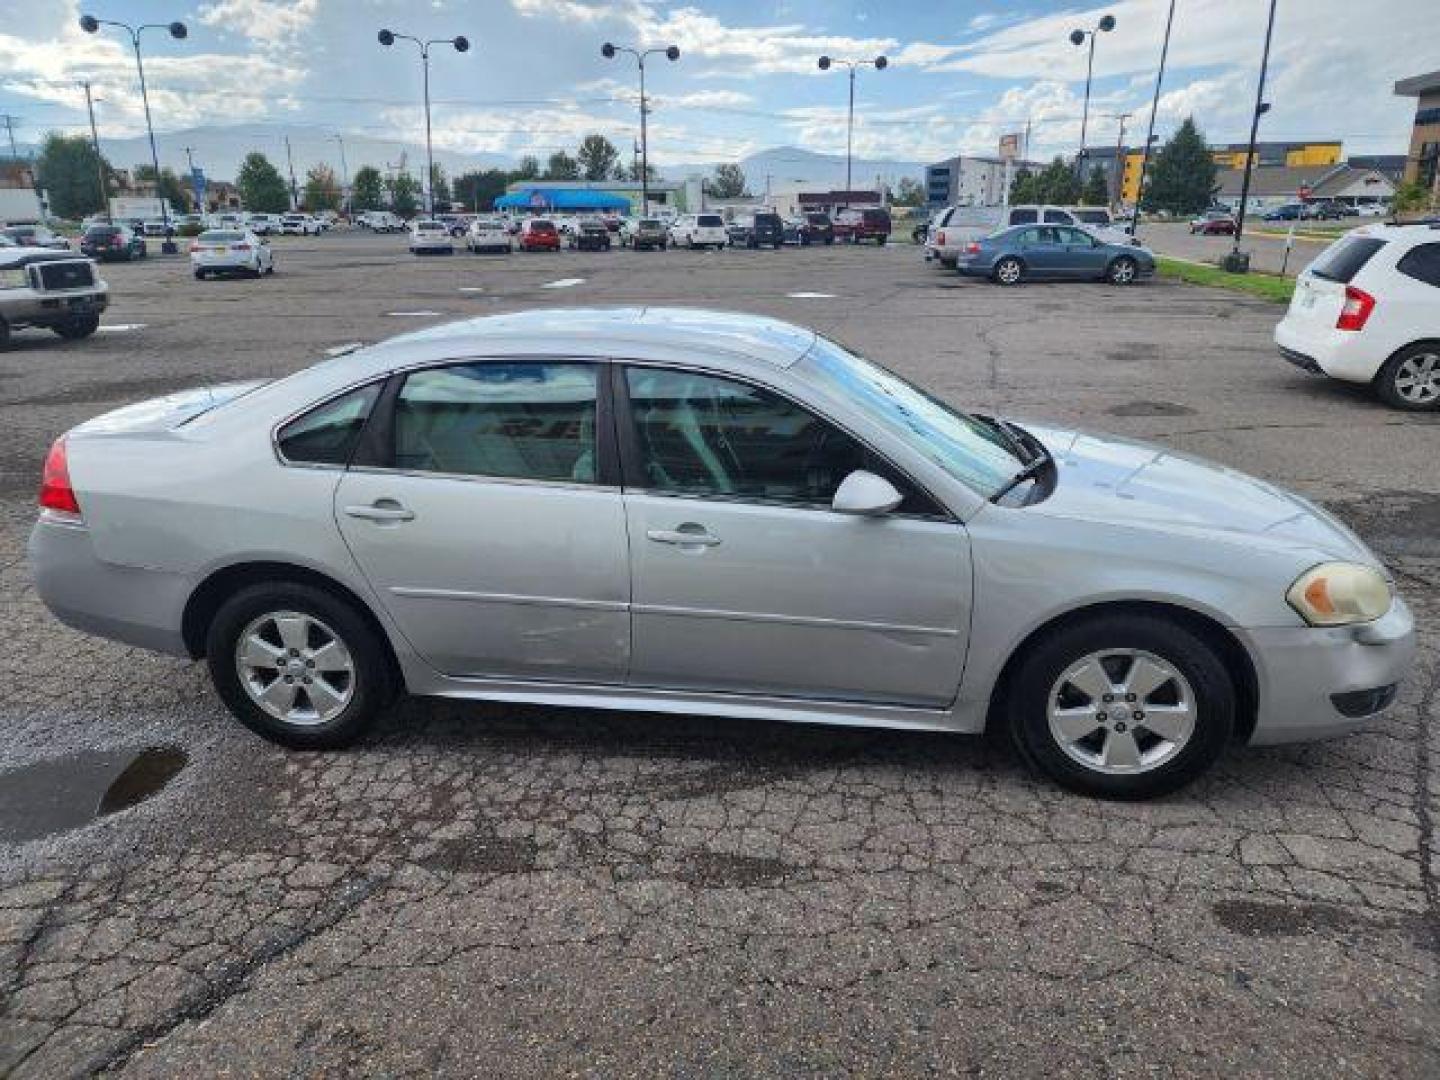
(960,73)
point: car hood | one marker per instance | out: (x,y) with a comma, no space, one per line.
(1107,479)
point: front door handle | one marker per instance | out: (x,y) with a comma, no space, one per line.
(382,510)
(685,536)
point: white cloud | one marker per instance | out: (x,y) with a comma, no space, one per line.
(274,21)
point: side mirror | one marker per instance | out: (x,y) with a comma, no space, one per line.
(865,494)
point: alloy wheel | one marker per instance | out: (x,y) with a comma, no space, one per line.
(1122,711)
(1417,379)
(295,668)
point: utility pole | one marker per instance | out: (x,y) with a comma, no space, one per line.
(194,188)
(99,161)
(10,122)
(290,163)
(344,176)
(1150,128)
(1235,262)
(1118,174)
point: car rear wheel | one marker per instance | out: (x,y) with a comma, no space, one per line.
(298,666)
(199,275)
(1122,706)
(1122,271)
(1009,271)
(1411,378)
(81,326)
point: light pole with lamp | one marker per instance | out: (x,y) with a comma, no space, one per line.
(1237,262)
(1077,37)
(176,30)
(879,64)
(1150,130)
(462,44)
(671,53)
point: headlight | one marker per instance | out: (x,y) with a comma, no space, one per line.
(13,278)
(1338,594)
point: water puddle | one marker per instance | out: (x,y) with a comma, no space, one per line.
(59,794)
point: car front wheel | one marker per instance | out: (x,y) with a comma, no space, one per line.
(81,326)
(1122,271)
(1125,706)
(298,666)
(1009,271)
(1411,378)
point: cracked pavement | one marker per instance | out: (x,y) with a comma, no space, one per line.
(510,891)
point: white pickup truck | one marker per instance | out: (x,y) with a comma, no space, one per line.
(956,226)
(49,289)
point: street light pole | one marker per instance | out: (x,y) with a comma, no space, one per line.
(879,64)
(461,44)
(178,31)
(99,161)
(344,176)
(1077,37)
(608,50)
(1150,130)
(1235,260)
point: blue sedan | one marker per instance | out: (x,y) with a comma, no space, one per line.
(1053,251)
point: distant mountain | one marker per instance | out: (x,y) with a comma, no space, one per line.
(789,165)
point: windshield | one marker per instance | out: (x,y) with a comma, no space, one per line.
(220,237)
(966,448)
(709,221)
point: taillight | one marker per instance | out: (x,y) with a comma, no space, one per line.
(239,247)
(55,490)
(972,248)
(1358,306)
(940,238)
(194,247)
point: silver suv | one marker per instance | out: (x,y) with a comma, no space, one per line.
(49,289)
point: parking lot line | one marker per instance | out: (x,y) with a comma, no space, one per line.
(564,283)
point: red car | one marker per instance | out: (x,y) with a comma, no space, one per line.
(853,226)
(539,234)
(1214,225)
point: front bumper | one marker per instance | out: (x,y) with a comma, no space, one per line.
(1316,683)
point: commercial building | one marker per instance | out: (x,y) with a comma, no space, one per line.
(552,195)
(969,181)
(1423,161)
(1293,155)
(1274,185)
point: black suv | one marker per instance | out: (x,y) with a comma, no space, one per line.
(105,242)
(590,235)
(763,229)
(818,229)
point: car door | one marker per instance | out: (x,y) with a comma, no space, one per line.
(743,577)
(1042,251)
(490,523)
(1084,256)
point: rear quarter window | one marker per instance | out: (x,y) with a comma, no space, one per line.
(1346,259)
(1422,263)
(328,433)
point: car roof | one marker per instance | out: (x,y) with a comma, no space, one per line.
(694,335)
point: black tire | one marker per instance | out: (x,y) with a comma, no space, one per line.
(1410,397)
(1008,271)
(374,683)
(1028,703)
(4,334)
(1122,271)
(80,326)
(199,275)
(880,241)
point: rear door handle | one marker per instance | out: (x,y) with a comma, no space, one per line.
(683,537)
(392,512)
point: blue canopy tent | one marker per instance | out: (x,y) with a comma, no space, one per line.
(551,199)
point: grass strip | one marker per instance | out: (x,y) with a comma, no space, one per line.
(1271,287)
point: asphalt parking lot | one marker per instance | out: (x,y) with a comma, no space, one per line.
(491,890)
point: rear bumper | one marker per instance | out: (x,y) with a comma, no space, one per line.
(1318,683)
(124,603)
(30,308)
(1340,354)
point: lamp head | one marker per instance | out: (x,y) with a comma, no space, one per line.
(1107,23)
(178,31)
(824,63)
(608,51)
(385,37)
(89,23)
(461,43)
(672,53)
(881,63)
(1077,37)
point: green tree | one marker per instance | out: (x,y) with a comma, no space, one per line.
(67,169)
(1409,197)
(727,183)
(908,193)
(1057,183)
(367,192)
(262,188)
(170,186)
(478,190)
(439,185)
(634,172)
(1022,186)
(529,168)
(1097,189)
(404,192)
(322,190)
(597,157)
(1182,176)
(562,166)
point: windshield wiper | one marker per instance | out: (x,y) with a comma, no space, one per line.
(1032,468)
(1017,440)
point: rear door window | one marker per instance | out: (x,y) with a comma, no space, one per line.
(1422,263)
(1059,217)
(1346,259)
(1023,217)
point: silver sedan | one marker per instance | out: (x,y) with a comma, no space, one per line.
(697,512)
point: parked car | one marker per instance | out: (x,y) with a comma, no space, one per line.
(1029,252)
(1368,311)
(1328,210)
(871,553)
(957,226)
(860,226)
(487,234)
(1372,209)
(49,290)
(1214,223)
(263,224)
(539,234)
(649,233)
(230,251)
(793,231)
(37,236)
(590,235)
(1285,212)
(756,230)
(381,221)
(430,236)
(299,225)
(108,243)
(818,229)
(156,229)
(699,231)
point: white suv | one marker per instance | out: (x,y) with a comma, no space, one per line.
(1368,311)
(699,230)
